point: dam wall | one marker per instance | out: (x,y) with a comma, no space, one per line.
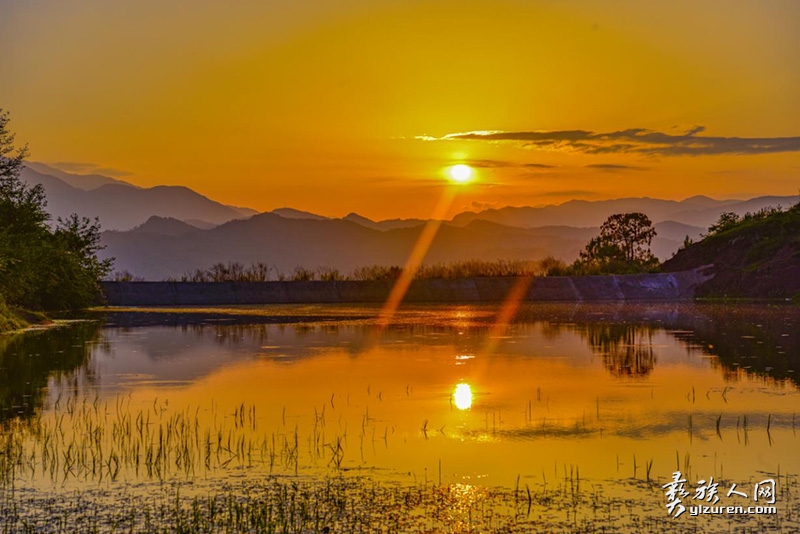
(642,287)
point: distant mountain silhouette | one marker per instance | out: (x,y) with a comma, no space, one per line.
(87,182)
(121,206)
(165,231)
(197,223)
(165,226)
(291,213)
(388,224)
(163,248)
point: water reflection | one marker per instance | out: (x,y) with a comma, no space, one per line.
(28,362)
(750,339)
(626,349)
(462,397)
(182,347)
(588,384)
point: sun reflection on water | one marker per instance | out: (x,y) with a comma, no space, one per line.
(462,396)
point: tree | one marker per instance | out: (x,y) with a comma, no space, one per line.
(623,244)
(41,267)
(726,221)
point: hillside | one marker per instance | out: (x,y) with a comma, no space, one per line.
(757,258)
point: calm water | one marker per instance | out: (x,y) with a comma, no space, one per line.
(609,391)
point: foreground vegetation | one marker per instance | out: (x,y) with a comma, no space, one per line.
(43,266)
(262,272)
(346,504)
(10,319)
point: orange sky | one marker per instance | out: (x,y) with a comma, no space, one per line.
(343,106)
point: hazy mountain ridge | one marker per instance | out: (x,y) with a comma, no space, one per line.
(121,206)
(163,248)
(694,211)
(87,182)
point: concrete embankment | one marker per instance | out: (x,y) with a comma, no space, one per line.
(660,286)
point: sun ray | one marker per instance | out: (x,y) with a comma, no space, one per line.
(418,253)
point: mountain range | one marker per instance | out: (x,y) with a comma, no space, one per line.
(166,231)
(121,205)
(167,248)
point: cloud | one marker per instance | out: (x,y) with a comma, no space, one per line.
(632,141)
(568,193)
(612,167)
(481,206)
(87,168)
(494,164)
(537,166)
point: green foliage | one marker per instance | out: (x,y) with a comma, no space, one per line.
(729,220)
(725,222)
(377,272)
(479,269)
(259,272)
(126,276)
(233,271)
(42,267)
(9,319)
(552,266)
(623,246)
(329,274)
(301,274)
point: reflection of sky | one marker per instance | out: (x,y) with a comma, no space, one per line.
(170,354)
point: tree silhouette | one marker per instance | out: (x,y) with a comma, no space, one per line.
(623,244)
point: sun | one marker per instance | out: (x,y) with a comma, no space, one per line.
(460,173)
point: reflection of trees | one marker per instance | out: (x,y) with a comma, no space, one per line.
(753,339)
(28,361)
(626,349)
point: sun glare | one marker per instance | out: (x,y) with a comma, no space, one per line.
(460,173)
(462,396)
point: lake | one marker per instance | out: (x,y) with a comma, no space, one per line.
(572,416)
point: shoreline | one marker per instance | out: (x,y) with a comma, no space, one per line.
(14,320)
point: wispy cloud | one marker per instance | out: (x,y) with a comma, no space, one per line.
(87,168)
(612,167)
(632,141)
(494,164)
(480,206)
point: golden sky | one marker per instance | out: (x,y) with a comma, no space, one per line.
(351,105)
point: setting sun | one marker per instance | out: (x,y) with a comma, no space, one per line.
(460,173)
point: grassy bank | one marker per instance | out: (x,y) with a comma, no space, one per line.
(15,319)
